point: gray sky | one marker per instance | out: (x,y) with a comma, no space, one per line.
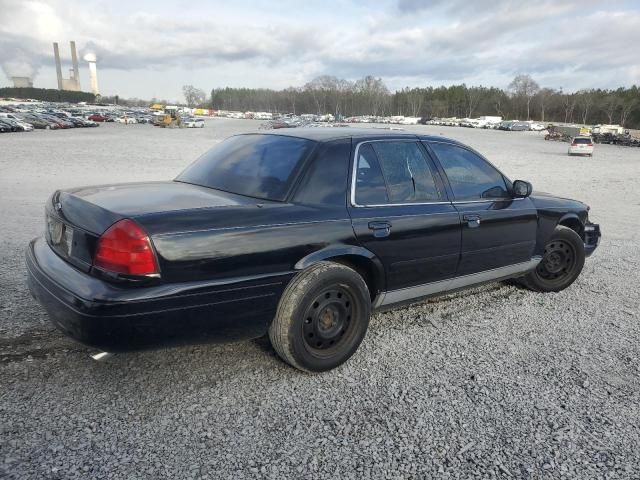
(150,49)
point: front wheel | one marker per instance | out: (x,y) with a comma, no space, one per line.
(561,263)
(322,317)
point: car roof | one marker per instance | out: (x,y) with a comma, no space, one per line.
(336,133)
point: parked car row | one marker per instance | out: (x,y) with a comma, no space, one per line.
(486,122)
(121,117)
(26,122)
(10,124)
(52,116)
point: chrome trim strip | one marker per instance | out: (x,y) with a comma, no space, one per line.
(457,202)
(419,291)
(247,227)
(399,204)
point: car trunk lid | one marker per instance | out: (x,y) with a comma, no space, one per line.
(75,218)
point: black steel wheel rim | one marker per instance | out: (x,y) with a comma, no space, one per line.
(329,320)
(558,261)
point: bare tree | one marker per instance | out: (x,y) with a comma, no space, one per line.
(374,92)
(324,90)
(473,95)
(544,95)
(292,95)
(193,96)
(415,99)
(524,87)
(585,97)
(569,106)
(627,107)
(610,104)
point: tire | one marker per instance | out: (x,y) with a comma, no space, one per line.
(561,264)
(322,317)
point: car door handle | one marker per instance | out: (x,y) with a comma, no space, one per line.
(380,229)
(473,221)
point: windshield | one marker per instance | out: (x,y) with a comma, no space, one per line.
(261,166)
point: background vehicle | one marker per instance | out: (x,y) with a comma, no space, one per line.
(126,120)
(170,118)
(581,146)
(518,127)
(5,127)
(56,120)
(298,234)
(14,125)
(96,117)
(191,122)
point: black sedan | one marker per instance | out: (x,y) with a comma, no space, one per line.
(299,235)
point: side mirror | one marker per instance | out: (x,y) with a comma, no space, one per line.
(522,189)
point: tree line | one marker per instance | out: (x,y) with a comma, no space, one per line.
(47,94)
(524,99)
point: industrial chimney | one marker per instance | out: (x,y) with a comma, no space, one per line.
(73,82)
(56,53)
(74,62)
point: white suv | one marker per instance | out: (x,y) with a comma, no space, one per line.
(581,146)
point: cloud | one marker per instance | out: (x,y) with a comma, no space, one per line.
(408,42)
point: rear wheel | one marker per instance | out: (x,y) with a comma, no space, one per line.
(561,263)
(322,317)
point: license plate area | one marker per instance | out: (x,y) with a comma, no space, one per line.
(60,235)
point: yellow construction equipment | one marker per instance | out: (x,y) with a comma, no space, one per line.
(170,118)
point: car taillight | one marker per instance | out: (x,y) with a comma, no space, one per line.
(589,144)
(574,144)
(126,248)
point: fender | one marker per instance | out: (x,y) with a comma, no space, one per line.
(571,216)
(335,251)
(353,251)
(548,220)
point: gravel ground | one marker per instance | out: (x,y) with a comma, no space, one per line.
(496,382)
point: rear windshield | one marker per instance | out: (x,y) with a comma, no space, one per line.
(261,166)
(581,140)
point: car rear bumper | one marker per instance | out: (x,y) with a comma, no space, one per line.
(592,237)
(114,319)
(580,151)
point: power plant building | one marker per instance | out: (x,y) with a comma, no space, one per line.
(22,82)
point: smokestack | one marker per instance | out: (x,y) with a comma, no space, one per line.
(93,73)
(56,53)
(74,62)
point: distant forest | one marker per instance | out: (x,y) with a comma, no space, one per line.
(48,94)
(523,100)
